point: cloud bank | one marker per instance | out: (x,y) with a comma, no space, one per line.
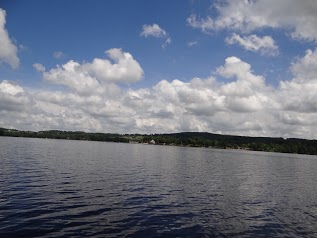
(93,101)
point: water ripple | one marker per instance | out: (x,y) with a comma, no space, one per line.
(55,188)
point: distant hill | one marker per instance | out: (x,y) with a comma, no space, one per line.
(193,139)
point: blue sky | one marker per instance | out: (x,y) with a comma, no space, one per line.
(232,67)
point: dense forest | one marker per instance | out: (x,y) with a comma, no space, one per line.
(193,139)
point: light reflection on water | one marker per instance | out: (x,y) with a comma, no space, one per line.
(56,188)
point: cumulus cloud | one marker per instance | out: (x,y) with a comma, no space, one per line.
(12,97)
(248,15)
(156,31)
(305,68)
(299,94)
(235,67)
(10,89)
(265,45)
(123,69)
(8,51)
(72,76)
(97,76)
(248,93)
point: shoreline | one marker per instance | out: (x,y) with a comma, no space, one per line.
(159,144)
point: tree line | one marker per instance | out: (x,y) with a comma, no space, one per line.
(193,139)
(269,144)
(66,135)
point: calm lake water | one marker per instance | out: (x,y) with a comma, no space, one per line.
(60,188)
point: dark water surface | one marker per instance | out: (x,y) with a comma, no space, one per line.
(60,188)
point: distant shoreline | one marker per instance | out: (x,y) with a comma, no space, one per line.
(185,139)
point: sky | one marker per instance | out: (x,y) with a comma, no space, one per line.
(239,67)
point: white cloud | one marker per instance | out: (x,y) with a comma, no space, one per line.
(39,67)
(234,67)
(97,76)
(12,97)
(123,69)
(299,94)
(156,31)
(298,16)
(72,76)
(8,51)
(249,92)
(204,25)
(265,45)
(8,88)
(305,69)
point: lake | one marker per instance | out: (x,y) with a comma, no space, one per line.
(64,188)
